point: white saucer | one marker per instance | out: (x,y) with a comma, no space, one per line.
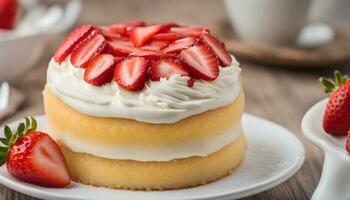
(274,154)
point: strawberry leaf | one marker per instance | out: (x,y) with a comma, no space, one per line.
(8,132)
(11,138)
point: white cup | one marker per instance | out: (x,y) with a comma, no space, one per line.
(268,21)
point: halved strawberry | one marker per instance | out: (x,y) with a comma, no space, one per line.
(218,48)
(190,31)
(165,68)
(121,47)
(156,45)
(100,70)
(347,144)
(166,36)
(131,74)
(201,62)
(151,54)
(76,37)
(141,35)
(179,45)
(33,156)
(85,52)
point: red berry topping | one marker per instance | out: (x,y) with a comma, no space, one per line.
(180,44)
(201,62)
(121,47)
(166,36)
(131,74)
(74,39)
(189,31)
(141,35)
(218,48)
(34,157)
(165,68)
(85,52)
(100,70)
(151,54)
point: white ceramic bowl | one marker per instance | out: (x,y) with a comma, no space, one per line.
(19,52)
(335,178)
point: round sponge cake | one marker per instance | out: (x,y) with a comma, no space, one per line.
(146,175)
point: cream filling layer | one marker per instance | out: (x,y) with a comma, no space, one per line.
(165,101)
(202,147)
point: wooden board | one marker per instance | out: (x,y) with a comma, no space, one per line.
(332,54)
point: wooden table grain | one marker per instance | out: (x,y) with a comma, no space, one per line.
(278,94)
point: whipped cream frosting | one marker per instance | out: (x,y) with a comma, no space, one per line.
(202,147)
(164,101)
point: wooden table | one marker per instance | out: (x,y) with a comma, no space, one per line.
(280,95)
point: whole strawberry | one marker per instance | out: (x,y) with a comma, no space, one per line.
(33,156)
(336,119)
(9,13)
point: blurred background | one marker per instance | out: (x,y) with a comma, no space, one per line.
(283,46)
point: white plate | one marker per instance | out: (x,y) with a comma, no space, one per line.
(274,154)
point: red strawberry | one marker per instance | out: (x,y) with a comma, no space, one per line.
(85,52)
(218,48)
(151,54)
(34,157)
(9,14)
(156,45)
(135,23)
(165,68)
(347,145)
(179,45)
(76,37)
(118,28)
(190,82)
(189,31)
(166,36)
(121,47)
(336,119)
(131,74)
(141,35)
(100,70)
(201,62)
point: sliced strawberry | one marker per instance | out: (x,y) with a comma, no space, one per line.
(151,54)
(121,29)
(201,62)
(118,59)
(100,70)
(166,36)
(190,82)
(121,47)
(189,31)
(218,48)
(135,23)
(90,48)
(166,27)
(179,45)
(141,35)
(36,158)
(156,45)
(165,68)
(76,37)
(131,74)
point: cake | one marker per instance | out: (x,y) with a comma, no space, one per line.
(145,106)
